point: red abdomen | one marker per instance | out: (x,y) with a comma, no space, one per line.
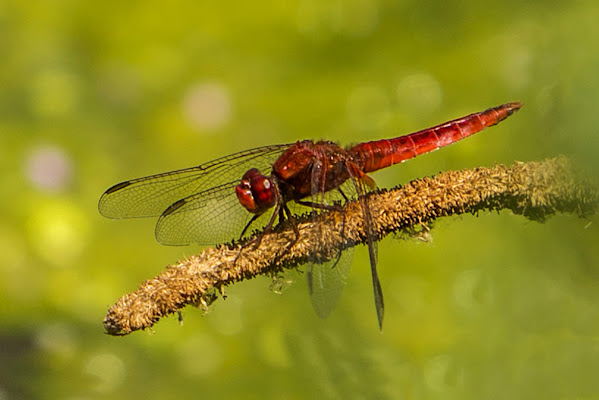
(379,154)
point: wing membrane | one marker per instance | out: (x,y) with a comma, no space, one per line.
(151,195)
(327,279)
(198,218)
(326,282)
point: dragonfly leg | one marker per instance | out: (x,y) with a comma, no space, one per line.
(342,224)
(258,239)
(255,217)
(291,219)
(268,227)
(318,205)
(285,211)
(329,208)
(342,194)
(342,235)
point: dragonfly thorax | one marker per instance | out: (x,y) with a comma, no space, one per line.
(256,192)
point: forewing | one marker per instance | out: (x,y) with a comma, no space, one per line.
(151,195)
(209,217)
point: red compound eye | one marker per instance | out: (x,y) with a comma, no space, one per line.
(256,192)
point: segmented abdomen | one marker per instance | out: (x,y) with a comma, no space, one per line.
(372,156)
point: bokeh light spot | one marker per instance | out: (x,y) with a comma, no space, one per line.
(207,106)
(48,168)
(57,231)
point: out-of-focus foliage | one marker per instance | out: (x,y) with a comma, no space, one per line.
(95,93)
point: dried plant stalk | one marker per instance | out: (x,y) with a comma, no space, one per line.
(536,190)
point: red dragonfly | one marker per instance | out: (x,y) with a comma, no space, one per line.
(219,200)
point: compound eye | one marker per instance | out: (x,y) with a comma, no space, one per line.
(245,197)
(250,175)
(256,192)
(264,192)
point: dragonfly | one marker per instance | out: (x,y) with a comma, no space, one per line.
(220,200)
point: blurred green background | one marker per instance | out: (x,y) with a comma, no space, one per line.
(95,93)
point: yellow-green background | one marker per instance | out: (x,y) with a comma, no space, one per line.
(496,307)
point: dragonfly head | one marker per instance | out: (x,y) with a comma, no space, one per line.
(256,192)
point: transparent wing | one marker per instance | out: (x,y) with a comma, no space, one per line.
(326,279)
(363,184)
(208,217)
(326,282)
(151,195)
